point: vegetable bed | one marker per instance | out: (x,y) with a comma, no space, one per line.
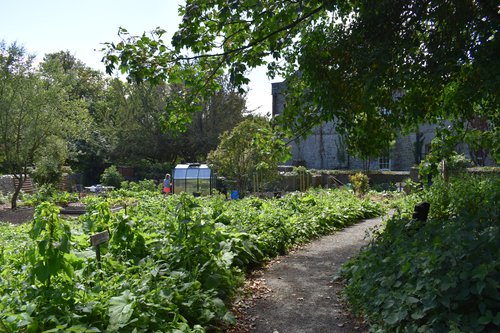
(171,264)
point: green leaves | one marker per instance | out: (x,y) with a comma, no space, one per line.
(438,276)
(374,68)
(251,149)
(52,237)
(172,263)
(39,113)
(395,317)
(121,309)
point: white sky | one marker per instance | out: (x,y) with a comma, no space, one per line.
(80,26)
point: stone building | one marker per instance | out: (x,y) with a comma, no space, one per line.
(326,149)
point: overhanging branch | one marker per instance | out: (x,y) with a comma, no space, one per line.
(257,41)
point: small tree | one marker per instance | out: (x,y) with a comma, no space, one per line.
(49,163)
(251,147)
(360,183)
(443,151)
(365,140)
(112,177)
(35,110)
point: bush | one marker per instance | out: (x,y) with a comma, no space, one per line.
(457,164)
(5,198)
(384,187)
(143,185)
(111,177)
(151,170)
(438,276)
(360,183)
(49,163)
(412,186)
(48,193)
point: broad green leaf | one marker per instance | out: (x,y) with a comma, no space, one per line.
(120,311)
(395,317)
(412,300)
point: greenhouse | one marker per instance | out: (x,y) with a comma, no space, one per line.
(193,178)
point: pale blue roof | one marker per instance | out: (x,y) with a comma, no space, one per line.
(192,171)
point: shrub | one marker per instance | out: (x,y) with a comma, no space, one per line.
(112,177)
(151,170)
(360,183)
(457,164)
(384,187)
(143,185)
(48,193)
(5,198)
(49,163)
(412,186)
(438,276)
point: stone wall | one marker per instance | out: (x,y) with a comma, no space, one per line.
(6,184)
(325,179)
(402,155)
(278,97)
(377,177)
(324,148)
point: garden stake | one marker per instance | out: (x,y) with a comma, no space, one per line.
(96,240)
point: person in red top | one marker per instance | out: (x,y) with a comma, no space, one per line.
(167,184)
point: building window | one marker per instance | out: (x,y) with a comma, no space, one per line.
(384,162)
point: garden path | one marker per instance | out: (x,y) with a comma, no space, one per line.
(296,293)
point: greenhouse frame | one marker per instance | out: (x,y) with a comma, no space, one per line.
(194,178)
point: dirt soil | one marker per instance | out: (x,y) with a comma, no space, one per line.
(25,214)
(297,293)
(18,216)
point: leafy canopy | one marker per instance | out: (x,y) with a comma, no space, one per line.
(422,60)
(37,114)
(250,149)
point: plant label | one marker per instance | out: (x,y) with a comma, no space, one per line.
(99,238)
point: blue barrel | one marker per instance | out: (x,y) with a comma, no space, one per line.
(234,195)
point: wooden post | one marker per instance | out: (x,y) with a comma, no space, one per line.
(96,240)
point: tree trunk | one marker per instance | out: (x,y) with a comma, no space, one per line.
(445,171)
(366,165)
(17,190)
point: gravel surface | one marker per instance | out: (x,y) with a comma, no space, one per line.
(297,294)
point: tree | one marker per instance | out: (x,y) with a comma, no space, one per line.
(50,160)
(34,112)
(88,155)
(131,123)
(480,136)
(80,81)
(134,124)
(220,113)
(422,60)
(251,148)
(369,138)
(112,177)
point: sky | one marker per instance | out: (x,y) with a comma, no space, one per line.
(81,26)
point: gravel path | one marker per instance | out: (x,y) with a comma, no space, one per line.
(300,295)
